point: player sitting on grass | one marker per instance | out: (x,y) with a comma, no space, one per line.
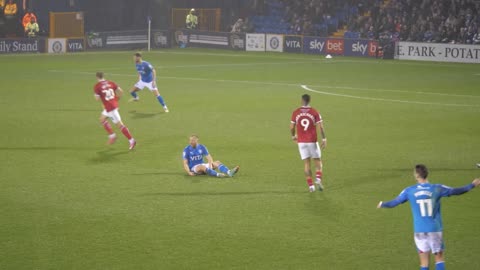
(147,78)
(424,201)
(193,163)
(108,92)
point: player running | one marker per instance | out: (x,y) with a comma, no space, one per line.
(147,78)
(193,163)
(303,127)
(424,201)
(108,92)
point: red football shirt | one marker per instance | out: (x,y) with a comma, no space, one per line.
(106,91)
(306,120)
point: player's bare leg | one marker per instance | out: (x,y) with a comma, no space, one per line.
(224,169)
(127,134)
(112,137)
(158,96)
(319,173)
(308,174)
(424,260)
(133,93)
(202,169)
(439,261)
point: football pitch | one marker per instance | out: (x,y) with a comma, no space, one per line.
(69,201)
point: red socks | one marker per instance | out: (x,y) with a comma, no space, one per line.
(126,132)
(309,181)
(319,175)
(106,125)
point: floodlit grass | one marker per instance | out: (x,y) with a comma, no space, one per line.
(68,201)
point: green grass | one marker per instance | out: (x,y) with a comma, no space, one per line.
(68,201)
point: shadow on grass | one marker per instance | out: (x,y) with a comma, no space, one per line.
(44,148)
(71,110)
(108,155)
(229,193)
(140,115)
(410,170)
(157,173)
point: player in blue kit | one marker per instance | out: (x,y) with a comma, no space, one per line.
(193,161)
(147,79)
(424,201)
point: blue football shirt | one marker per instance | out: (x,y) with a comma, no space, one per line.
(425,205)
(195,155)
(145,70)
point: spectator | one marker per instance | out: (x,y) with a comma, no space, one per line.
(476,37)
(27,18)
(10,9)
(470,35)
(2,5)
(192,20)
(32,29)
(10,12)
(238,26)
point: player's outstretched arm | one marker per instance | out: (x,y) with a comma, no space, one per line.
(447,191)
(402,198)
(186,168)
(390,204)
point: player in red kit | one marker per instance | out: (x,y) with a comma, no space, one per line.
(108,92)
(303,127)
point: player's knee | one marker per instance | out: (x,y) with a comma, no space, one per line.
(217,163)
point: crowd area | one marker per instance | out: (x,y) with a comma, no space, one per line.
(441,21)
(16,20)
(304,15)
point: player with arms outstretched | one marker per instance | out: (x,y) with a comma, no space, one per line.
(424,201)
(147,79)
(193,161)
(108,93)
(303,128)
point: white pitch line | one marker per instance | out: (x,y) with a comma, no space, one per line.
(385,99)
(318,58)
(275,83)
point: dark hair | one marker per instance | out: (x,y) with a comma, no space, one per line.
(421,170)
(137,54)
(306,99)
(99,75)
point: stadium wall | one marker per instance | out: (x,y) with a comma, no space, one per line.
(259,42)
(41,45)
(460,53)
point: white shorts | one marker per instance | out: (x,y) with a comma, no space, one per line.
(429,242)
(195,168)
(141,85)
(309,150)
(113,115)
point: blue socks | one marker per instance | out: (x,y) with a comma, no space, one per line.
(440,266)
(160,99)
(134,94)
(212,172)
(423,268)
(223,168)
